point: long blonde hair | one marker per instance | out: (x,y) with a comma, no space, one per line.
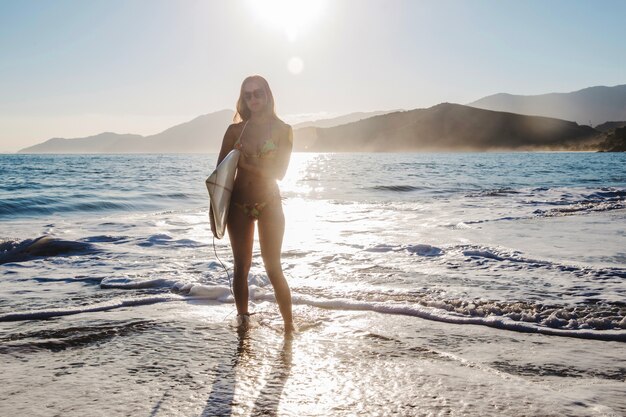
(243,112)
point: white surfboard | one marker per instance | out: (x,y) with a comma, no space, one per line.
(220,186)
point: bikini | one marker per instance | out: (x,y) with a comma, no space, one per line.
(268,150)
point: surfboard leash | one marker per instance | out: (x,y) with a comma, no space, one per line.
(230,285)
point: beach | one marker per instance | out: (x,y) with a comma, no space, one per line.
(423,284)
(187,359)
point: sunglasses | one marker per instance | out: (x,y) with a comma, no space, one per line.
(258,93)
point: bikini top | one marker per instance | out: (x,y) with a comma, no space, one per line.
(268,149)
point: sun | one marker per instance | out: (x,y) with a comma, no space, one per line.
(295,65)
(293,17)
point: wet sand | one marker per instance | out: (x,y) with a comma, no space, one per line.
(186,358)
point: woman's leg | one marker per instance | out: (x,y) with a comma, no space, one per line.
(271,231)
(241,234)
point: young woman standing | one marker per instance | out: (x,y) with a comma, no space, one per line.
(265,143)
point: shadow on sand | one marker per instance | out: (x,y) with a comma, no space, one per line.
(222,398)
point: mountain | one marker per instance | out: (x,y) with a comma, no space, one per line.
(202,134)
(102,143)
(608,126)
(615,141)
(447,126)
(341,120)
(593,105)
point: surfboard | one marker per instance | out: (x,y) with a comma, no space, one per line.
(220,187)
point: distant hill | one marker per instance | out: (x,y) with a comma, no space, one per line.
(341,120)
(103,143)
(615,141)
(202,134)
(608,126)
(593,105)
(449,126)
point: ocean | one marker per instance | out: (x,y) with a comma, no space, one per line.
(457,284)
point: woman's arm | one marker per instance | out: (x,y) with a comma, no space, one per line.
(227,143)
(284,154)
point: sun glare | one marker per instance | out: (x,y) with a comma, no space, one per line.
(295,65)
(291,16)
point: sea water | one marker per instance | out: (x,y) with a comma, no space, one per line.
(424,284)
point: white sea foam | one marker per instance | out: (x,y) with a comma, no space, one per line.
(133,284)
(424,250)
(436,314)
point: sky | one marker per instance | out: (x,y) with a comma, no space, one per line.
(78,68)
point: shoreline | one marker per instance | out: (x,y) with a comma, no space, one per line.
(407,152)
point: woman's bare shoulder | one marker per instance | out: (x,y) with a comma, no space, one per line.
(285,131)
(285,125)
(234,130)
(236,127)
(282,126)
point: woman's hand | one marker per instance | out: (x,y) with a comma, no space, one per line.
(248,164)
(256,166)
(244,163)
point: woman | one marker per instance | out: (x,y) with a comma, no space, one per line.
(265,143)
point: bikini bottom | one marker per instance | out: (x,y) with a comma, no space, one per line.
(254,210)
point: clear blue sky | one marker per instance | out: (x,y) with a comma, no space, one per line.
(77,68)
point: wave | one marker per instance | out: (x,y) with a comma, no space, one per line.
(173,195)
(71,337)
(608,193)
(106,239)
(604,199)
(162,239)
(419,249)
(567,204)
(583,207)
(480,253)
(397,188)
(436,314)
(497,192)
(601,322)
(220,293)
(22,186)
(41,247)
(130,284)
(34,206)
(27,205)
(605,322)
(519,317)
(47,314)
(84,279)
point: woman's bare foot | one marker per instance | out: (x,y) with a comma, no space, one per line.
(243,321)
